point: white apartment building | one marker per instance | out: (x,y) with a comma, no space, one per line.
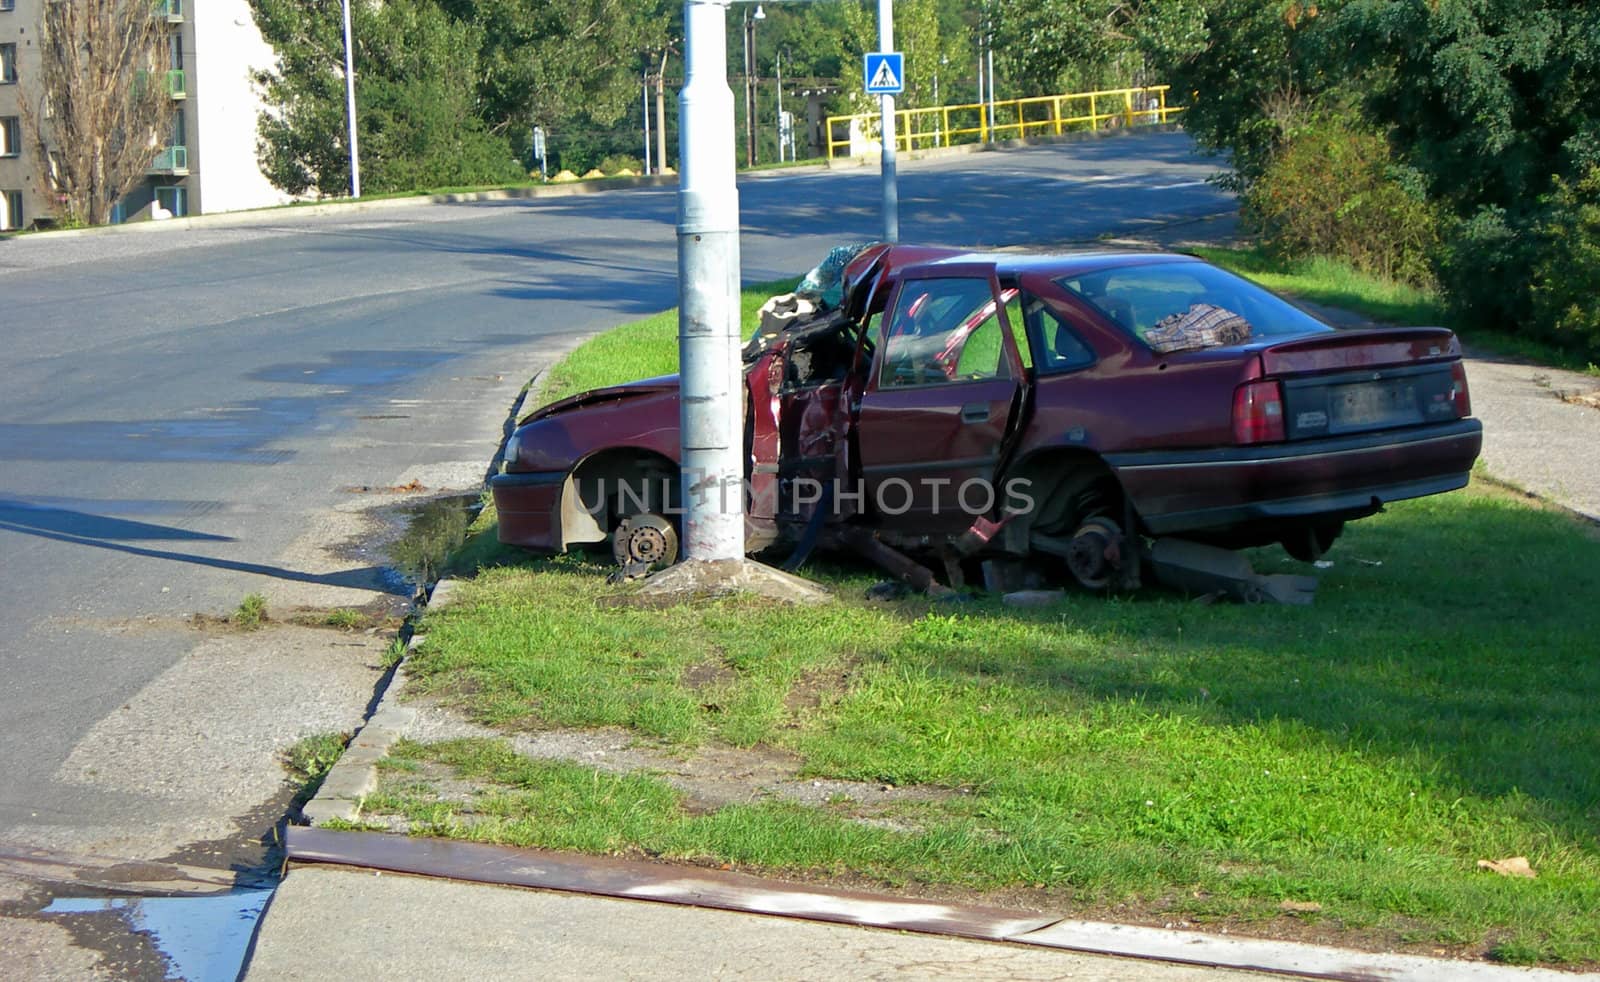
(208,162)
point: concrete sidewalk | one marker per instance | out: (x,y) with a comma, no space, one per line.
(1538,432)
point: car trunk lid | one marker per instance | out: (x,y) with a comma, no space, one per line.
(1358,381)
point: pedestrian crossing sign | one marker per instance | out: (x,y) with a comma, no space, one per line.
(885,72)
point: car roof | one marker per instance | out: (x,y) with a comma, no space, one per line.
(1047,264)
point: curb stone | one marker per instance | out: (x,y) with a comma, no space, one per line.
(354,775)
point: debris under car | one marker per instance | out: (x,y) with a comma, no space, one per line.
(1017,420)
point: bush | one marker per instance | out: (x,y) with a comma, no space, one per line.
(1334,189)
(1566,279)
(1484,268)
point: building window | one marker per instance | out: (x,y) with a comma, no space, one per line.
(10,210)
(7,4)
(10,136)
(8,64)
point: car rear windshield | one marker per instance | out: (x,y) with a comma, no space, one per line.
(1177,305)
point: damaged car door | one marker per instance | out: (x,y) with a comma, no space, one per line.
(940,398)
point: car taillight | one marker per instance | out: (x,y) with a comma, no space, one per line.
(1258,413)
(1459,396)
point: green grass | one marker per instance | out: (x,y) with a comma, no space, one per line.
(1322,280)
(1204,761)
(344,619)
(310,759)
(636,350)
(251,613)
(1328,281)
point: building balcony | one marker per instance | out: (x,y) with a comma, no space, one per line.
(169,10)
(172,160)
(177,84)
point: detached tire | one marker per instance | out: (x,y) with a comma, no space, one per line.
(647,539)
(1309,543)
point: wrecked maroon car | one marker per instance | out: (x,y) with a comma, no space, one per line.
(1053,412)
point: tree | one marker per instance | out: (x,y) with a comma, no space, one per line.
(1248,70)
(448,91)
(916,34)
(1043,47)
(563,64)
(93,108)
(417,105)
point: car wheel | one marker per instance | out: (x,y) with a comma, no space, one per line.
(647,539)
(1311,542)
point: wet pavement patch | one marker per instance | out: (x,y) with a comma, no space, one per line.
(204,939)
(433,530)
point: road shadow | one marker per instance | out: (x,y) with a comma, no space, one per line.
(21,516)
(371,578)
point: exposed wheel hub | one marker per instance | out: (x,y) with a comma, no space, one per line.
(1095,553)
(647,539)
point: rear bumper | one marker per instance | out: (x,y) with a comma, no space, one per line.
(1341,477)
(529,508)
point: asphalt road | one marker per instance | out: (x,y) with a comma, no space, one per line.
(184,410)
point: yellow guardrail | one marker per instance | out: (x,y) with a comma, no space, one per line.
(1048,115)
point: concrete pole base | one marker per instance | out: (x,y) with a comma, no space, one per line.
(721,577)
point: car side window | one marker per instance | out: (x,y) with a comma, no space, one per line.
(1019,329)
(1061,350)
(942,331)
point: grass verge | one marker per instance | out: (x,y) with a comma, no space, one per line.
(1144,757)
(639,349)
(1207,763)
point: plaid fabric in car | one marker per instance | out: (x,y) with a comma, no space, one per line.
(1203,325)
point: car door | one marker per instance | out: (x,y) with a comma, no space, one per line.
(937,404)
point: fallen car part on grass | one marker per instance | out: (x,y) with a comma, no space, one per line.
(722,890)
(1207,570)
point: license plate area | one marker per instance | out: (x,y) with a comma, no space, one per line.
(1366,405)
(1357,402)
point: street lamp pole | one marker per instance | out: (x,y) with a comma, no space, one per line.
(350,103)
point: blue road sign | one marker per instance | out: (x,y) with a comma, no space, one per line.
(885,73)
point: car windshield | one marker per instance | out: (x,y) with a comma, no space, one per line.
(1173,306)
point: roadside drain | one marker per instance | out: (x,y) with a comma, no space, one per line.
(204,939)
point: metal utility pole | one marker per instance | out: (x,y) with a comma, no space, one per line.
(750,83)
(992,85)
(983,104)
(661,116)
(350,103)
(646,100)
(891,190)
(711,403)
